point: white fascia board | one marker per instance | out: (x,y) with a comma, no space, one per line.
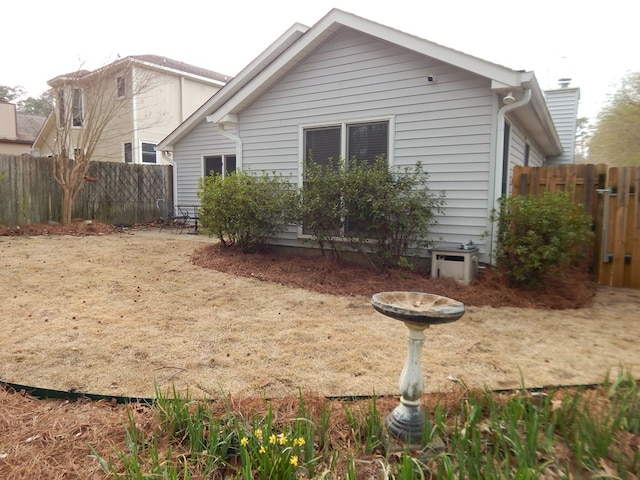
(178,72)
(336,19)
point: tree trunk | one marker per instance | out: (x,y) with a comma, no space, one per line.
(67,204)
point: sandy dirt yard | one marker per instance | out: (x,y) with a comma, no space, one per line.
(117,314)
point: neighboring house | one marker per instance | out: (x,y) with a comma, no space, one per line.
(17,130)
(348,86)
(153,95)
(563,105)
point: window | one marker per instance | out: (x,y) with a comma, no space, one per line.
(219,164)
(121,87)
(61,109)
(148,152)
(364,142)
(128,153)
(77,111)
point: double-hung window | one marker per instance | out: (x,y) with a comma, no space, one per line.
(365,141)
(121,87)
(219,164)
(352,142)
(77,108)
(128,152)
(148,152)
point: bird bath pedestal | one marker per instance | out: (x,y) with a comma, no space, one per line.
(417,311)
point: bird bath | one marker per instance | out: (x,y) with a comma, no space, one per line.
(417,311)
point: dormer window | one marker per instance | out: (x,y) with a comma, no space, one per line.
(121,87)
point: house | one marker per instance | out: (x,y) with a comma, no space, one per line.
(350,85)
(17,130)
(563,105)
(139,99)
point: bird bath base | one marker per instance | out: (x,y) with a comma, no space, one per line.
(417,311)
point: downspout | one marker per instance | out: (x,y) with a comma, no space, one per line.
(499,162)
(231,136)
(168,156)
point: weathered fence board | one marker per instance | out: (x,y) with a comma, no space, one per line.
(122,193)
(611,195)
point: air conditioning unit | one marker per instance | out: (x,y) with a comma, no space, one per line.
(460,264)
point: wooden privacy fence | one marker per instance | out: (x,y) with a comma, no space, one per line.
(610,195)
(121,194)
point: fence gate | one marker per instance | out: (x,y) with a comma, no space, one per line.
(610,195)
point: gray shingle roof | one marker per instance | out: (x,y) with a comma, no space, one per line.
(184,67)
(28,126)
(158,60)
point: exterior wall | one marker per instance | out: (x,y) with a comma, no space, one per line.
(164,103)
(13,148)
(194,94)
(446,125)
(8,121)
(563,105)
(188,157)
(154,105)
(517,152)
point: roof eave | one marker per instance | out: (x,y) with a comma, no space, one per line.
(262,61)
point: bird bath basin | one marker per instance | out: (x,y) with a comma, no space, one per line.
(416,307)
(417,311)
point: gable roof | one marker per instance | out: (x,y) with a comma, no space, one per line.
(300,41)
(155,62)
(28,126)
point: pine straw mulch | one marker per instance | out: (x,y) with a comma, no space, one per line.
(52,439)
(77,227)
(569,288)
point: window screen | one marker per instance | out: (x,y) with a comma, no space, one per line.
(367,141)
(217,163)
(321,144)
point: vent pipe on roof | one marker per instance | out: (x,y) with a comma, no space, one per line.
(564,82)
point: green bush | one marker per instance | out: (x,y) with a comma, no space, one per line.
(538,232)
(377,211)
(322,207)
(246,210)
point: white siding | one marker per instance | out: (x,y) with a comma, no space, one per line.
(563,106)
(517,155)
(446,125)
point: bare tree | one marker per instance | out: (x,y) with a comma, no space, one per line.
(87,105)
(616,137)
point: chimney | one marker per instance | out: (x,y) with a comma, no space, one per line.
(563,106)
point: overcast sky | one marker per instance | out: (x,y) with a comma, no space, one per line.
(594,43)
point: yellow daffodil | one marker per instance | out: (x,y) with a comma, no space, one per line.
(262,449)
(258,434)
(282,439)
(244,441)
(298,442)
(272,439)
(294,461)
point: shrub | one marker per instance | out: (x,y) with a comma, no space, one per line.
(322,207)
(245,210)
(389,211)
(378,211)
(538,232)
